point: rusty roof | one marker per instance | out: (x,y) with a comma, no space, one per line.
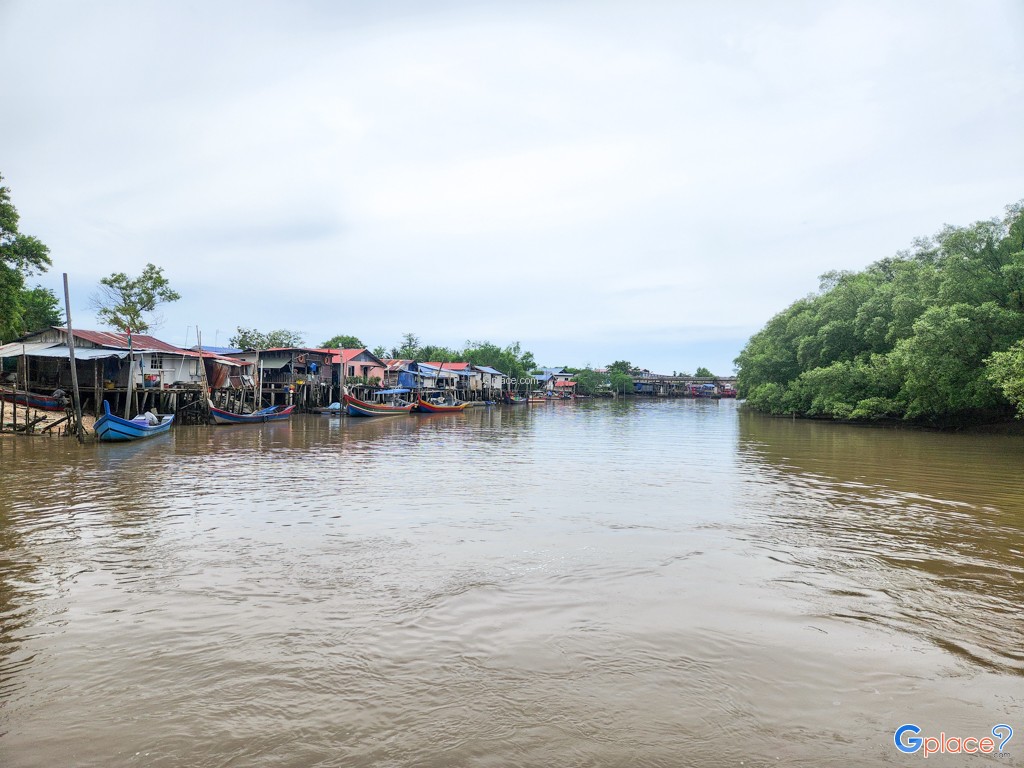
(140,341)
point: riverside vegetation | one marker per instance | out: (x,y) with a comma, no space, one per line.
(933,336)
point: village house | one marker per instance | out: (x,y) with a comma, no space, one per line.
(109,364)
(291,375)
(492,382)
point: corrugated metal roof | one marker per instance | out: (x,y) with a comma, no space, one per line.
(488,369)
(17,349)
(217,350)
(140,341)
(81,353)
(337,355)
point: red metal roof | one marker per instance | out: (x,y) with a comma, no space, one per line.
(450,366)
(565,383)
(337,355)
(140,342)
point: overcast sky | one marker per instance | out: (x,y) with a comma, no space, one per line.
(648,181)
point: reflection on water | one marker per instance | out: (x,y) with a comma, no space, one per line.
(916,531)
(640,583)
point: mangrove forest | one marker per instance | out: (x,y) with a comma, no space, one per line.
(933,335)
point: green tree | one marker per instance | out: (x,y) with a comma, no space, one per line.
(1006,371)
(250,338)
(380,351)
(342,341)
(409,348)
(436,354)
(621,383)
(40,309)
(908,337)
(20,256)
(621,366)
(590,382)
(703,372)
(129,303)
(511,360)
(943,362)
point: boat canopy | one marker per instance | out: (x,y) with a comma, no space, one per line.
(391,392)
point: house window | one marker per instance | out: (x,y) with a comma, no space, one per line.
(351,370)
(156,362)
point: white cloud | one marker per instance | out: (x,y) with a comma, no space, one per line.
(562,172)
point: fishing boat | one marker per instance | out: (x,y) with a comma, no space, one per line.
(111,429)
(53,402)
(273,413)
(510,399)
(388,403)
(438,405)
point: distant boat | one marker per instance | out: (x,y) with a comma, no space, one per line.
(510,399)
(395,407)
(110,428)
(426,406)
(273,413)
(34,400)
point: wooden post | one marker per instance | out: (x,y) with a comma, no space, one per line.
(202,375)
(76,399)
(131,378)
(97,388)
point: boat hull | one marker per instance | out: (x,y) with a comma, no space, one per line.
(33,400)
(113,429)
(273,413)
(422,406)
(356,407)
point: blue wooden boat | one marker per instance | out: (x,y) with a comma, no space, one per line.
(111,429)
(273,413)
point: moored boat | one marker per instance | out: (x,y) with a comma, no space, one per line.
(55,402)
(110,428)
(510,399)
(427,406)
(273,413)
(395,407)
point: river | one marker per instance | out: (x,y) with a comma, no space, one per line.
(648,583)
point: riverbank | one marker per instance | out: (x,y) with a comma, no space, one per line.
(43,423)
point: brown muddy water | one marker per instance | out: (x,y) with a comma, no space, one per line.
(602,584)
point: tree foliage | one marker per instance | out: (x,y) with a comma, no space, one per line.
(21,256)
(341,341)
(129,303)
(925,336)
(40,309)
(703,372)
(1006,371)
(590,382)
(250,338)
(621,383)
(512,360)
(621,366)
